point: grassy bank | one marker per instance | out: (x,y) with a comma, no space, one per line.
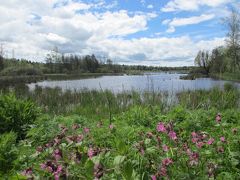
(98,134)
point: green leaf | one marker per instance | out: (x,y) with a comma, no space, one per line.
(118,160)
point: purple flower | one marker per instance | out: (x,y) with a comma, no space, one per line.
(161,127)
(172,135)
(86,130)
(222,139)
(210,141)
(153,177)
(111,126)
(167,162)
(90,153)
(218,118)
(165,148)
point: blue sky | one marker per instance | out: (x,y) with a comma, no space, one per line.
(146,32)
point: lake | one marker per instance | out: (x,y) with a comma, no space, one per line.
(164,82)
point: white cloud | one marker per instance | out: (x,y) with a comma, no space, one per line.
(191,5)
(150,6)
(186,21)
(32,29)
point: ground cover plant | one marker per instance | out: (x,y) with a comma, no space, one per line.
(123,136)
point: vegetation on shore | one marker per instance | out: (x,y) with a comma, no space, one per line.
(48,133)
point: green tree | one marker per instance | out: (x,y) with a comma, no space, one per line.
(233,38)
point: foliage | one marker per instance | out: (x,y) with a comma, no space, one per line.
(16,115)
(8,152)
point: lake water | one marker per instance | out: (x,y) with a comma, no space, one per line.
(165,82)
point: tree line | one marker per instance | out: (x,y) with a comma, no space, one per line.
(225,58)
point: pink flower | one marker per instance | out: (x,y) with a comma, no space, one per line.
(172,135)
(218,118)
(165,148)
(167,162)
(194,134)
(49,169)
(193,158)
(161,127)
(27,172)
(222,139)
(153,177)
(43,166)
(90,153)
(200,144)
(210,141)
(194,140)
(57,154)
(111,126)
(86,130)
(163,171)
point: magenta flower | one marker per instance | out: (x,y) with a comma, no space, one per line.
(194,140)
(111,126)
(161,127)
(90,153)
(218,118)
(222,139)
(27,172)
(200,144)
(57,154)
(172,135)
(153,177)
(165,148)
(86,130)
(210,141)
(167,162)
(43,166)
(163,171)
(194,157)
(194,134)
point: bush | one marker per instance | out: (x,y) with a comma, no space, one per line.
(16,115)
(7,152)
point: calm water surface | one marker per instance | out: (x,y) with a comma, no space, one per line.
(169,82)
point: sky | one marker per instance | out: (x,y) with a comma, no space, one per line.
(144,32)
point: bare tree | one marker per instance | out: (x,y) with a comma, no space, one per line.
(203,60)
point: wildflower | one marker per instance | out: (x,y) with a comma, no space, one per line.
(172,135)
(218,118)
(27,172)
(49,169)
(200,144)
(194,157)
(86,130)
(165,148)
(43,166)
(58,172)
(210,141)
(163,171)
(194,134)
(194,140)
(153,177)
(222,139)
(90,153)
(167,162)
(57,154)
(111,126)
(161,127)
